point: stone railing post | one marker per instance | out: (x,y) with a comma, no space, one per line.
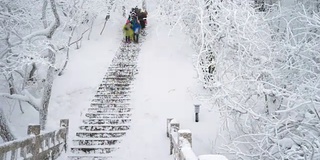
(186,134)
(174,126)
(65,123)
(35,130)
(182,136)
(168,125)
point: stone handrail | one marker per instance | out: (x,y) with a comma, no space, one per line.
(181,143)
(47,145)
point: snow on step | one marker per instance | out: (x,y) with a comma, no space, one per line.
(114,81)
(94,142)
(104,92)
(109,105)
(96,149)
(113,88)
(104,127)
(108,109)
(102,139)
(120,74)
(121,78)
(113,100)
(107,121)
(108,117)
(115,85)
(111,96)
(90,157)
(100,134)
(110,92)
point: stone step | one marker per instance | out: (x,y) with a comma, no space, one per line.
(104,128)
(90,157)
(111,96)
(122,71)
(108,118)
(123,65)
(119,73)
(116,74)
(120,64)
(108,115)
(100,134)
(92,142)
(126,93)
(101,139)
(98,149)
(105,125)
(110,99)
(120,85)
(108,110)
(111,104)
(127,56)
(127,78)
(107,121)
(111,86)
(115,105)
(111,80)
(120,93)
(100,100)
(116,81)
(114,91)
(117,68)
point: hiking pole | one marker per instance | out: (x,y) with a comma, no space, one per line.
(105,22)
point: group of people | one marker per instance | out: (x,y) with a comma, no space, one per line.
(136,22)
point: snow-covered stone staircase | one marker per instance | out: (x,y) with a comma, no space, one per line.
(108,117)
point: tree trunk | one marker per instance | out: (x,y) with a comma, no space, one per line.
(33,70)
(47,91)
(13,90)
(68,49)
(43,111)
(5,131)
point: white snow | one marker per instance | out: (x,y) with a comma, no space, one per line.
(164,88)
(212,157)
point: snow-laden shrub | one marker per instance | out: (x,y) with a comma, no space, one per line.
(265,79)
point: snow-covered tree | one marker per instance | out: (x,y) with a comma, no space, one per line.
(263,71)
(33,35)
(34,42)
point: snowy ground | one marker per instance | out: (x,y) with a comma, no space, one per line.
(162,89)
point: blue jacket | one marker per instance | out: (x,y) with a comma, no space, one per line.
(136,27)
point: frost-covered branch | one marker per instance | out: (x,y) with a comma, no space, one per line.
(262,67)
(25,98)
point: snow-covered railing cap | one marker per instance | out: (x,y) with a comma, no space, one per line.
(181,143)
(38,145)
